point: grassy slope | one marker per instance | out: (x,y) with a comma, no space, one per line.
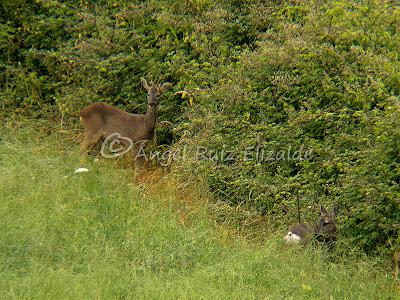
(97,234)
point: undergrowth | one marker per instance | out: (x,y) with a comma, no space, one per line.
(99,234)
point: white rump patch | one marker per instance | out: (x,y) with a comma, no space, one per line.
(292,238)
(81,170)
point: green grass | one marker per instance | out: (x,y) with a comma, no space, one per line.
(98,235)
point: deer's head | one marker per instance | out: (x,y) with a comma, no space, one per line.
(326,224)
(154,91)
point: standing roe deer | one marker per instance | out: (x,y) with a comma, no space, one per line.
(101,120)
(325,231)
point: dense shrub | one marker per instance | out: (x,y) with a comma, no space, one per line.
(60,56)
(326,83)
(318,76)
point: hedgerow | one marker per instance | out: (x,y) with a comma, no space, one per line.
(316,76)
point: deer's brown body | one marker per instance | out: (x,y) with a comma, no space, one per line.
(324,232)
(101,120)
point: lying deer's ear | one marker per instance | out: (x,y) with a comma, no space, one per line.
(335,211)
(144,83)
(323,210)
(164,87)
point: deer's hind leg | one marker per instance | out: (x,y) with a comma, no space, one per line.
(90,142)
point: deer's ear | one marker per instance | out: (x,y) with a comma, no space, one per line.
(164,87)
(323,210)
(335,211)
(144,83)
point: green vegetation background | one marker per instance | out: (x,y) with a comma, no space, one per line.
(322,75)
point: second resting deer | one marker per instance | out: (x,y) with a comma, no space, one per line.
(325,230)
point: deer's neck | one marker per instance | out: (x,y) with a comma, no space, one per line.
(150,117)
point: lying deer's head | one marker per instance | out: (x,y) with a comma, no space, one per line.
(154,91)
(326,224)
(326,229)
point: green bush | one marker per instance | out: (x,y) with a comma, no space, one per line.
(325,83)
(323,77)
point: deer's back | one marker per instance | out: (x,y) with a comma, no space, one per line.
(102,109)
(109,119)
(302,230)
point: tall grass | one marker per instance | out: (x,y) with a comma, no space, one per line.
(100,235)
